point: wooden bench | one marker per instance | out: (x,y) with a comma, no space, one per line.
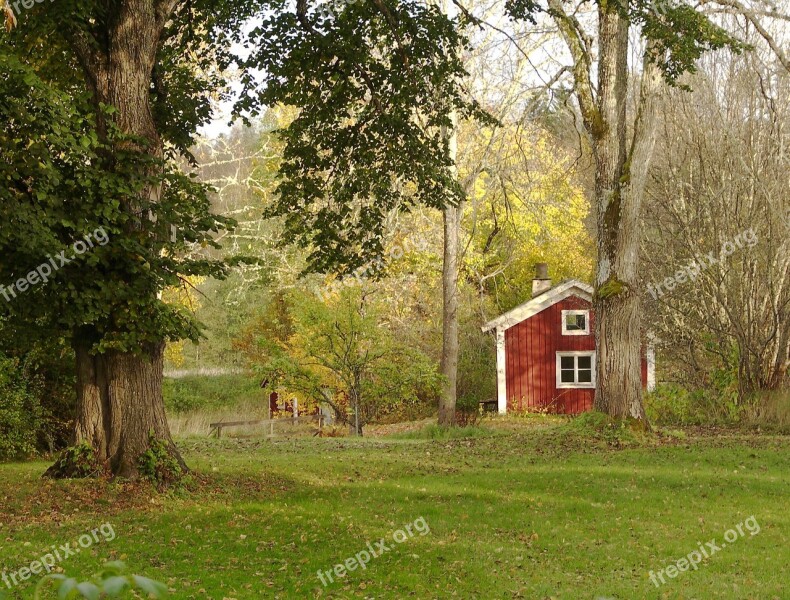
(489,405)
(218,427)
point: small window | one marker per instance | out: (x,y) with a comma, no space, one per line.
(575,322)
(575,369)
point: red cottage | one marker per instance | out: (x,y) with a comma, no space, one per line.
(545,350)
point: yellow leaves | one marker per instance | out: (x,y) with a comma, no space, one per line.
(10,17)
(186,296)
(525,205)
(174,353)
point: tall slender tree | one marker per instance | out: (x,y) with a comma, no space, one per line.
(379,88)
(451,219)
(672,39)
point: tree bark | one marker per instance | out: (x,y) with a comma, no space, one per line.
(620,176)
(450,341)
(450,297)
(616,304)
(120,393)
(619,207)
(120,406)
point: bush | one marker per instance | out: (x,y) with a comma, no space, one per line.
(674,405)
(468,412)
(770,410)
(159,465)
(47,367)
(476,366)
(211,392)
(21,414)
(76,462)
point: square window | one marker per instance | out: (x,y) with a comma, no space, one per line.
(575,322)
(576,369)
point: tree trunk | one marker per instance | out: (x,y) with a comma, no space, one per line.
(120,393)
(120,406)
(616,303)
(620,177)
(450,300)
(450,342)
(619,202)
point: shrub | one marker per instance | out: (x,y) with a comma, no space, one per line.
(210,392)
(76,462)
(159,465)
(674,405)
(468,412)
(21,414)
(476,367)
(769,410)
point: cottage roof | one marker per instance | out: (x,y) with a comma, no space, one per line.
(571,287)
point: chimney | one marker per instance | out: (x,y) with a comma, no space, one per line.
(541,283)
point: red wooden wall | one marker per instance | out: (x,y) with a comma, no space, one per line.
(530,361)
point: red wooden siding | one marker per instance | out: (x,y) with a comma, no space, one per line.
(530,361)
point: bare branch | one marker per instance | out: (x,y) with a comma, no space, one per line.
(751,16)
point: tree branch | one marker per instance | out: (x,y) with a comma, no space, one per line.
(751,16)
(572,33)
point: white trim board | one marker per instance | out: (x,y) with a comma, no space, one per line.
(535,305)
(651,367)
(501,375)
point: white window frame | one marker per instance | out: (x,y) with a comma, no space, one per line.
(575,384)
(585,331)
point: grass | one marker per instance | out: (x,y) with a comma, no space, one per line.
(522,512)
(194,402)
(436,432)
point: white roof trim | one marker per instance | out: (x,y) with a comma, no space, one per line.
(535,305)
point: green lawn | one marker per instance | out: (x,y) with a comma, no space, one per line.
(530,513)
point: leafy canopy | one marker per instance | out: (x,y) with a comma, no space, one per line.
(375,85)
(62,184)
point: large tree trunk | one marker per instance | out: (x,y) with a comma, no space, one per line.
(616,301)
(620,176)
(120,393)
(120,406)
(619,195)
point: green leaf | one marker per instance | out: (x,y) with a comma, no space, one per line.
(89,590)
(149,586)
(66,588)
(116,567)
(113,586)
